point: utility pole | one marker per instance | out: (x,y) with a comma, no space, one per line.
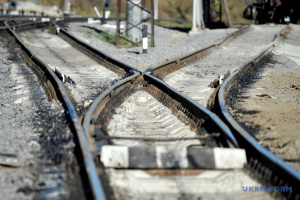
(155,9)
(133,18)
(198,23)
(134,21)
(67,7)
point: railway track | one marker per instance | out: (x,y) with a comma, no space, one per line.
(182,144)
(196,85)
(35,158)
(267,104)
(84,76)
(198,76)
(271,169)
(148,155)
(125,129)
(49,80)
(169,44)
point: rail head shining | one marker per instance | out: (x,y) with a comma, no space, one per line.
(96,185)
(204,50)
(127,68)
(266,156)
(89,113)
(215,119)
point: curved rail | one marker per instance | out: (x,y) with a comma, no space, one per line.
(261,159)
(236,135)
(101,100)
(82,46)
(189,106)
(136,81)
(94,52)
(95,183)
(171,66)
(193,107)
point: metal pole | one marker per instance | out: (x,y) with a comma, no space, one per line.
(205,9)
(194,15)
(103,15)
(145,38)
(118,23)
(155,9)
(152,23)
(97,11)
(201,15)
(198,23)
(133,18)
(66,6)
(144,13)
(220,10)
(227,13)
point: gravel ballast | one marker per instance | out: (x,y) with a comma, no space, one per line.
(194,79)
(169,44)
(36,143)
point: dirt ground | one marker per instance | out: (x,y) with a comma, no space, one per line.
(270,107)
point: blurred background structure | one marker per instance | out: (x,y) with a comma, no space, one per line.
(173,13)
(168,9)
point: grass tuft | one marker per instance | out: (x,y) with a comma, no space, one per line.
(168,24)
(28,38)
(111,39)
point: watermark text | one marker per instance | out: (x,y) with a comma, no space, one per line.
(267,189)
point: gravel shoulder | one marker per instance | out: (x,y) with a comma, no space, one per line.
(169,44)
(269,107)
(36,144)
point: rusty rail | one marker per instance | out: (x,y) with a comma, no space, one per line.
(176,64)
(190,111)
(95,53)
(265,164)
(60,92)
(99,103)
(194,113)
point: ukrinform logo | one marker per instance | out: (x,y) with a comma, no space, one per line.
(266,189)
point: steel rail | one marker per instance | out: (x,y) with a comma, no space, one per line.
(59,20)
(8,17)
(106,95)
(64,20)
(95,183)
(101,102)
(102,137)
(28,25)
(171,66)
(85,47)
(193,106)
(253,149)
(184,100)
